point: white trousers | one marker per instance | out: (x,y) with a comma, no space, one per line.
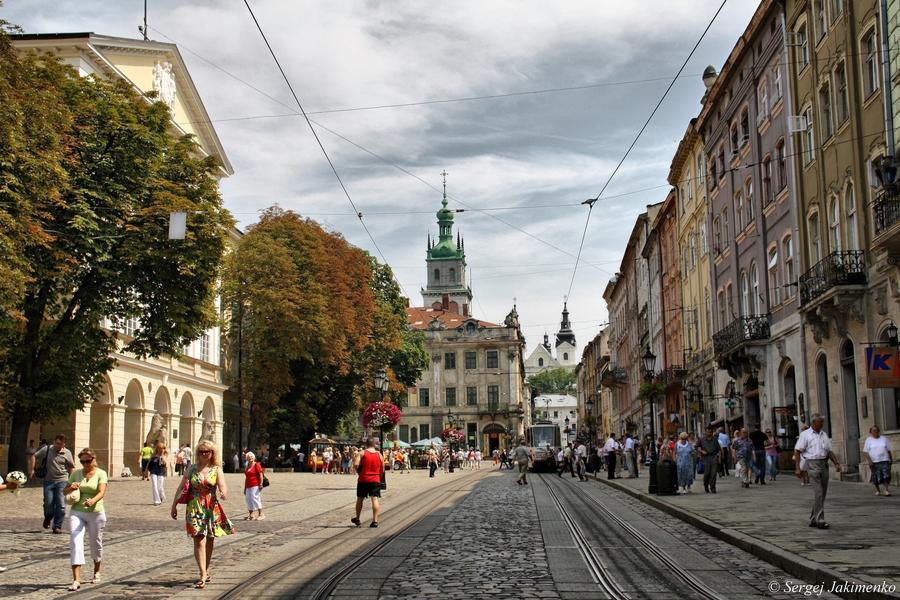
(157,485)
(253,497)
(94,522)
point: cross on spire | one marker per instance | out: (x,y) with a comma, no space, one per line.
(444,176)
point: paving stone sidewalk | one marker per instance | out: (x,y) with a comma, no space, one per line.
(863,542)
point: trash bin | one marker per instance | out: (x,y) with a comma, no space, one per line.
(666,477)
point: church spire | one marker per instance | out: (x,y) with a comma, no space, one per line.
(565,334)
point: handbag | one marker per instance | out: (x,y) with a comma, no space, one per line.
(73,497)
(383,484)
(185,496)
(265,481)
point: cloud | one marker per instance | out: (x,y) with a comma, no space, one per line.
(521,151)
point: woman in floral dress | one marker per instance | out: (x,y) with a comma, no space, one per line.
(205,518)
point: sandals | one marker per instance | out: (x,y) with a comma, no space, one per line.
(373,524)
(356,521)
(200,584)
(96,578)
(75,586)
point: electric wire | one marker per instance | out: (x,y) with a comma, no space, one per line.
(635,141)
(319,141)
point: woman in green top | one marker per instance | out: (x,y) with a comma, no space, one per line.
(90,480)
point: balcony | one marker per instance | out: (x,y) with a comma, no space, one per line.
(611,375)
(836,269)
(671,376)
(739,332)
(886,215)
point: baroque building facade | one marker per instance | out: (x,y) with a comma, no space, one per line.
(476,376)
(184,394)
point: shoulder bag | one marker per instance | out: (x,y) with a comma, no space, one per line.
(185,496)
(41,471)
(265,480)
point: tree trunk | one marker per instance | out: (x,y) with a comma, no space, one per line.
(18,440)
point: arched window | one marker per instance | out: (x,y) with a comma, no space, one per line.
(850,211)
(540,362)
(815,238)
(437,275)
(745,294)
(748,192)
(738,213)
(834,224)
(754,290)
(565,356)
(452,275)
(774,281)
(787,250)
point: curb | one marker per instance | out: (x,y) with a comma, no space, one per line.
(789,562)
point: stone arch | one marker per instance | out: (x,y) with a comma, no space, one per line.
(492,435)
(161,402)
(100,427)
(209,409)
(134,425)
(850,401)
(186,421)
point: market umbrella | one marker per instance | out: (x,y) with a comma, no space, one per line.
(390,444)
(421,444)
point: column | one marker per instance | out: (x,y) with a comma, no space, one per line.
(117,440)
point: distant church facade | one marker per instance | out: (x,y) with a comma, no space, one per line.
(563,354)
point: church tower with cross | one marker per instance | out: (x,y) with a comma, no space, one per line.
(445,261)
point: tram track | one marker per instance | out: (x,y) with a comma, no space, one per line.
(256,585)
(611,526)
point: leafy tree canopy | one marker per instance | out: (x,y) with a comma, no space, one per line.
(553,381)
(89,172)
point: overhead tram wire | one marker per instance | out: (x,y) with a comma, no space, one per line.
(379,157)
(319,142)
(591,202)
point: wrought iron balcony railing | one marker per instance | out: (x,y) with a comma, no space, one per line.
(613,375)
(886,209)
(742,329)
(838,268)
(671,375)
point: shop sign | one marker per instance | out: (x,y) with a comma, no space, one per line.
(882,367)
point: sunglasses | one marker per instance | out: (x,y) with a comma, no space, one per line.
(87,462)
(205,452)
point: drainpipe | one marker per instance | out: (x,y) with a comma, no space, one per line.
(888,92)
(796,239)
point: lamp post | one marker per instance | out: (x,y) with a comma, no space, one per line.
(892,335)
(649,360)
(381,384)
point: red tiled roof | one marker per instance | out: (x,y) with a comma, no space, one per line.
(420,316)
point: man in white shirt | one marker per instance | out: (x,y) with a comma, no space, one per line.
(878,453)
(580,453)
(611,447)
(814,447)
(630,462)
(725,444)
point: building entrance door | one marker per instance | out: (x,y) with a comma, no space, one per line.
(493,443)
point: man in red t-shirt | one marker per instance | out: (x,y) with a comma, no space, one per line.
(370,466)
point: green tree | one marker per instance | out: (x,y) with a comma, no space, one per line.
(553,381)
(90,172)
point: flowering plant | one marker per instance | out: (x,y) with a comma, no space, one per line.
(381,414)
(451,435)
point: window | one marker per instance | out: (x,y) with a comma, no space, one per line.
(424,432)
(437,275)
(704,242)
(825,111)
(713,168)
(424,397)
(472,434)
(821,20)
(745,126)
(850,211)
(782,164)
(815,238)
(869,54)
(493,360)
(555,414)
(754,290)
(735,140)
(802,47)
(717,234)
(565,356)
(540,362)
(690,190)
(834,224)
(788,251)
(721,170)
(450,360)
(768,196)
(837,7)
(493,396)
(745,294)
(720,297)
(471,360)
(404,433)
(842,102)
(725,232)
(748,192)
(776,82)
(204,347)
(809,151)
(130,327)
(762,100)
(774,284)
(738,212)
(471,396)
(729,294)
(693,251)
(451,396)
(452,275)
(708,313)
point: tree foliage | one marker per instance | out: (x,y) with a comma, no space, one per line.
(89,172)
(317,317)
(553,381)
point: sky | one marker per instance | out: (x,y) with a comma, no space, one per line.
(527,160)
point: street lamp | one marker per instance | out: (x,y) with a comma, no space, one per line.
(892,334)
(649,360)
(381,384)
